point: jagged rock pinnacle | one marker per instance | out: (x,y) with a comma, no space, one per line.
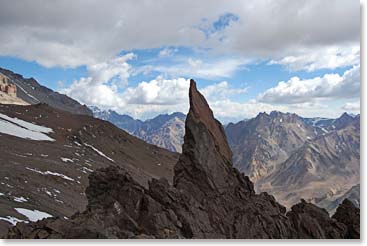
(200,110)
(206,161)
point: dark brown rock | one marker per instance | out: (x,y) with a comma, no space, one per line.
(349,215)
(311,221)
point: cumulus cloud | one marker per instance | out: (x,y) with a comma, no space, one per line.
(330,86)
(103,82)
(90,93)
(147,98)
(158,92)
(157,96)
(56,34)
(116,68)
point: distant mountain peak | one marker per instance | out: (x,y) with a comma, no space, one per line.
(164,130)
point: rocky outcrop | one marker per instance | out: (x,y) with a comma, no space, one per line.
(311,221)
(348,214)
(209,199)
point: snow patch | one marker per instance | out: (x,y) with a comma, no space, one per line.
(77,143)
(20,199)
(33,215)
(23,129)
(66,159)
(50,173)
(12,220)
(99,152)
(324,130)
(85,170)
(27,93)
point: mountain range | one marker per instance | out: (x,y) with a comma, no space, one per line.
(283,153)
(165,130)
(295,158)
(50,147)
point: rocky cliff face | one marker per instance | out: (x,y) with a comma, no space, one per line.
(209,199)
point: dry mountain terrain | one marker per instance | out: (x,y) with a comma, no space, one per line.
(209,198)
(47,154)
(294,158)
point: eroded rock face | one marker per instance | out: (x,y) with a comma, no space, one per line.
(209,199)
(311,221)
(348,214)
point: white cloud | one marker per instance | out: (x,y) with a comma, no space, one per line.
(90,93)
(197,68)
(103,82)
(330,86)
(116,68)
(319,58)
(58,34)
(146,99)
(158,92)
(159,95)
(167,52)
(155,97)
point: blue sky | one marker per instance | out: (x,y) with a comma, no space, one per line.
(257,76)
(137,58)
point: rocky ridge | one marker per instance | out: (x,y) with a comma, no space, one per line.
(209,198)
(31,92)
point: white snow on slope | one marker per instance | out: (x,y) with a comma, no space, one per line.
(33,215)
(23,129)
(27,93)
(12,220)
(99,152)
(20,199)
(50,173)
(64,159)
